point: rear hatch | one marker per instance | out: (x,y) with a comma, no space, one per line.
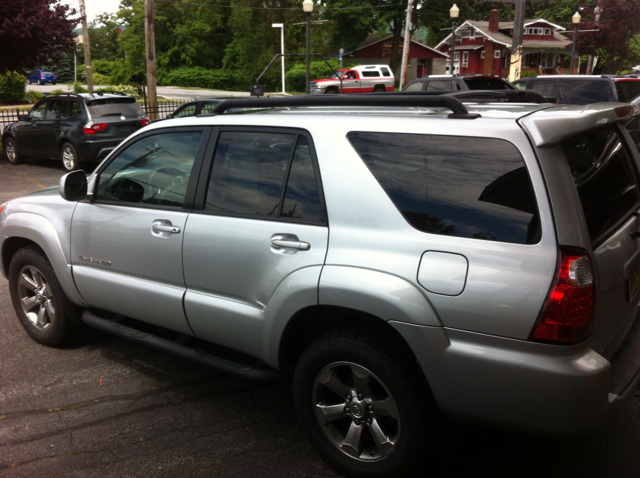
(605,173)
(116,117)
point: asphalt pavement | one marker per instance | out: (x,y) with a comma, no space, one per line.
(109,408)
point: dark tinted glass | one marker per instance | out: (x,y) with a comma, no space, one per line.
(583,92)
(634,131)
(248,173)
(604,179)
(438,85)
(301,198)
(458,186)
(126,106)
(627,90)
(56,109)
(74,108)
(370,74)
(545,88)
(486,84)
(153,170)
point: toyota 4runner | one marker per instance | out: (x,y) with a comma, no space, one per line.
(395,255)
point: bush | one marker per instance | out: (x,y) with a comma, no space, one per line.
(126,89)
(100,79)
(196,77)
(77,88)
(57,91)
(32,96)
(13,87)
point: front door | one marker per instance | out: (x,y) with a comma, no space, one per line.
(262,225)
(126,244)
(27,132)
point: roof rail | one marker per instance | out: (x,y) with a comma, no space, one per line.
(483,96)
(376,100)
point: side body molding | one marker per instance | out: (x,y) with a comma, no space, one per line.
(383,295)
(38,229)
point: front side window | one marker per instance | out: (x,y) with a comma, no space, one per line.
(458,186)
(154,170)
(415,86)
(605,179)
(438,85)
(189,110)
(268,175)
(37,113)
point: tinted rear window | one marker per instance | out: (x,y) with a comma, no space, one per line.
(627,90)
(458,186)
(486,84)
(127,107)
(370,74)
(583,92)
(605,179)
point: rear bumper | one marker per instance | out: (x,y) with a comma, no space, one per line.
(516,384)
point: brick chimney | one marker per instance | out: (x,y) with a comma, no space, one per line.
(494,20)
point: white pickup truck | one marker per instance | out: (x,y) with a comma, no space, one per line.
(359,79)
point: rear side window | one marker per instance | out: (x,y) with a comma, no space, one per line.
(605,179)
(438,85)
(459,186)
(486,84)
(127,107)
(627,90)
(371,74)
(583,92)
(545,88)
(385,72)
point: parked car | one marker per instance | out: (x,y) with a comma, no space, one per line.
(397,256)
(359,79)
(468,81)
(73,128)
(582,89)
(42,77)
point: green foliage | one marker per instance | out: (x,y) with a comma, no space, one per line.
(100,79)
(12,87)
(32,96)
(296,77)
(197,77)
(126,89)
(77,88)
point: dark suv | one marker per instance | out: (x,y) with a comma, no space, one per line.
(582,89)
(73,128)
(458,82)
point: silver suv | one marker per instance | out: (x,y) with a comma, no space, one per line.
(397,256)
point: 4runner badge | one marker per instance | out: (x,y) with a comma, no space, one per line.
(95,261)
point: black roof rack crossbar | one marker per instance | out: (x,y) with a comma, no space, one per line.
(401,100)
(498,96)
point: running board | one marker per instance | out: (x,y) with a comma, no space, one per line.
(190,353)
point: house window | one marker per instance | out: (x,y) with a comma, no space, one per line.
(482,54)
(507,59)
(465,59)
(535,31)
(496,54)
(456,56)
(547,31)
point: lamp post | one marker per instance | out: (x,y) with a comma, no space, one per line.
(307,6)
(281,27)
(453,13)
(575,19)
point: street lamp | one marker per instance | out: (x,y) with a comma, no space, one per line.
(575,19)
(453,13)
(281,27)
(307,6)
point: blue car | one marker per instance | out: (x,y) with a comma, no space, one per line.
(42,77)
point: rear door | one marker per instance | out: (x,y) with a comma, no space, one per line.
(262,223)
(607,182)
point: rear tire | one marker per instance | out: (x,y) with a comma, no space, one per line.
(12,152)
(41,305)
(379,89)
(363,405)
(69,156)
(53,82)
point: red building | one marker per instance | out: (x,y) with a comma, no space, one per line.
(485,47)
(422,60)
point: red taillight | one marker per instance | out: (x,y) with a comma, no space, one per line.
(92,128)
(567,316)
(145,122)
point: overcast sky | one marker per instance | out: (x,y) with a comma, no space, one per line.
(95,7)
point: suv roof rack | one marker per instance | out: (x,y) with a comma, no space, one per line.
(458,110)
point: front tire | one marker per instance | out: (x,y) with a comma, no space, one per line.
(69,156)
(41,305)
(363,405)
(12,152)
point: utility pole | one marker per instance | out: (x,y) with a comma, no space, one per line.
(88,69)
(407,45)
(150,47)
(515,67)
(590,66)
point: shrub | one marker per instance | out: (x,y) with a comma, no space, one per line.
(77,88)
(126,89)
(57,91)
(100,79)
(197,77)
(32,96)
(12,87)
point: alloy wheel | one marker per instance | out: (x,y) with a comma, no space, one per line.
(68,158)
(36,297)
(10,150)
(356,411)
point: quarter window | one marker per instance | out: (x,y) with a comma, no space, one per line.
(458,186)
(250,170)
(154,170)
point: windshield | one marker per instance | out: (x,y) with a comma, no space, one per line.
(335,76)
(47,72)
(127,107)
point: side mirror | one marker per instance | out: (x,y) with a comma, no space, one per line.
(169,116)
(23,117)
(73,186)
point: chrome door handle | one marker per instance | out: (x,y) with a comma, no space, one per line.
(289,243)
(159,227)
